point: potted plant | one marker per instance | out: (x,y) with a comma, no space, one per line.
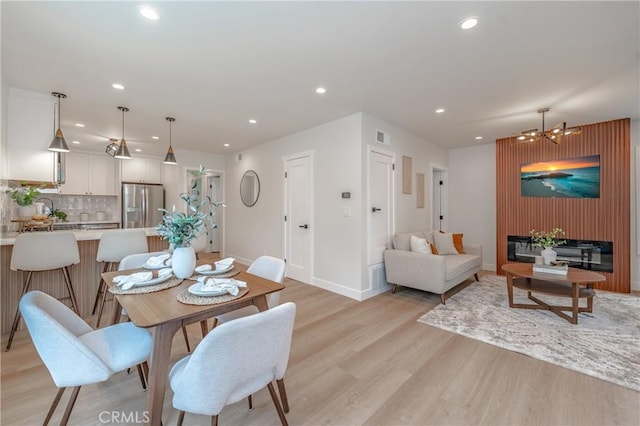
(24,197)
(180,229)
(548,240)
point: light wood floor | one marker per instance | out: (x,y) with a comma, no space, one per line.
(356,363)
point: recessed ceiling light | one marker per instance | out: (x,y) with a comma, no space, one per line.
(149,13)
(155,137)
(478,138)
(117,86)
(79,125)
(252,121)
(75,142)
(321,90)
(225,144)
(469,23)
(138,150)
(439,110)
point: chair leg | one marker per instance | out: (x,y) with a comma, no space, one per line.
(250,400)
(186,338)
(283,395)
(16,318)
(72,293)
(274,398)
(180,418)
(72,401)
(105,268)
(143,380)
(54,405)
(214,420)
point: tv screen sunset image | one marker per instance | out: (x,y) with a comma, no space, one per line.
(568,178)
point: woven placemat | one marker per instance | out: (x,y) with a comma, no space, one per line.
(225,275)
(171,282)
(191,299)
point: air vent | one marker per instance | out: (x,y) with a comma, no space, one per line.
(383,138)
(238,157)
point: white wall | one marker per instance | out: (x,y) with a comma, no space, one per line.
(337,240)
(472,198)
(635,204)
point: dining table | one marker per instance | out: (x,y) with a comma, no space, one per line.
(162,314)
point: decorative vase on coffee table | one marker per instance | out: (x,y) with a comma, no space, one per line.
(548,255)
(183,262)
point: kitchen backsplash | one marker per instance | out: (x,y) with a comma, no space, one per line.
(72,205)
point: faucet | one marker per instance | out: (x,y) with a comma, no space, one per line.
(50,212)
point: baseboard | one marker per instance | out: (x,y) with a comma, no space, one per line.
(489,267)
(635,285)
(337,288)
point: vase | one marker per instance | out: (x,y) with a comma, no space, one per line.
(183,262)
(548,255)
(26,211)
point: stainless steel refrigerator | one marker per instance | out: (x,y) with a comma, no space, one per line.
(140,204)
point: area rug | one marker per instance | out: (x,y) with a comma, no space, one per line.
(604,344)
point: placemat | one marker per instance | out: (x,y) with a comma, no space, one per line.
(171,282)
(191,299)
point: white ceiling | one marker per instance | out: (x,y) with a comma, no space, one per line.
(215,65)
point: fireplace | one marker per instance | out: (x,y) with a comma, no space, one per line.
(583,254)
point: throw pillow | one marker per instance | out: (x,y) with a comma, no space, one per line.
(444,243)
(420,245)
(434,250)
(457,243)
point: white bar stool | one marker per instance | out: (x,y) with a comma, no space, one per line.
(44,251)
(113,247)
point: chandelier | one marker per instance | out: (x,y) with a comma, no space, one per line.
(555,134)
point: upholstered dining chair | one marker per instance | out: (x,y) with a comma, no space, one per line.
(112,248)
(235,360)
(43,251)
(73,352)
(133,261)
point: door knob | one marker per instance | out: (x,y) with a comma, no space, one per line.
(375,209)
(305,226)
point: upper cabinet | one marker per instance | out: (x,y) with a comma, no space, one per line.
(30,125)
(89,174)
(142,170)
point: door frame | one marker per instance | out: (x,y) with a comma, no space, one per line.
(221,223)
(371,149)
(310,154)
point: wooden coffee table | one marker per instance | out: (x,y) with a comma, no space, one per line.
(521,275)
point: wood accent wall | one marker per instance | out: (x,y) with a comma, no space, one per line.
(84,277)
(605,219)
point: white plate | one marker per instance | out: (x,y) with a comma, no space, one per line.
(216,271)
(196,289)
(153,267)
(153,281)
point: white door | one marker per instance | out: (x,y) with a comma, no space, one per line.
(298,226)
(381,195)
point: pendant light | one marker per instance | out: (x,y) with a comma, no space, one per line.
(170,158)
(123,152)
(58,144)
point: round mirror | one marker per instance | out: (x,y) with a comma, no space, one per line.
(249,188)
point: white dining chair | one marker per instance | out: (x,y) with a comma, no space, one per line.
(235,360)
(134,261)
(112,248)
(44,251)
(73,352)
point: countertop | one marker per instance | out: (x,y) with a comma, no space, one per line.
(8,238)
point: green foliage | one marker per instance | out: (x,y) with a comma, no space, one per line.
(181,228)
(25,195)
(546,239)
(59,214)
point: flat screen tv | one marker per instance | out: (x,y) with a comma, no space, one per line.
(569,178)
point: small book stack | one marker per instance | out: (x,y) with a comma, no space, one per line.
(560,268)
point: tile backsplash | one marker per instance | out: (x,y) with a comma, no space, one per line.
(72,205)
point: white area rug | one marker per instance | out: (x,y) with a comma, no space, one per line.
(604,344)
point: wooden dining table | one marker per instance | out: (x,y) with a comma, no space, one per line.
(163,315)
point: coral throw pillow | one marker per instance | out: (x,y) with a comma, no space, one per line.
(457,243)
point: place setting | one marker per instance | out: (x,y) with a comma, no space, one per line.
(214,284)
(157,275)
(223,268)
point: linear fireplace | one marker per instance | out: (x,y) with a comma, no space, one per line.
(583,254)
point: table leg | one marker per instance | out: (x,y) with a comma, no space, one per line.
(117,312)
(159,370)
(261,303)
(575,288)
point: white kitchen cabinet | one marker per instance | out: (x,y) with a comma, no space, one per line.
(142,170)
(29,132)
(89,174)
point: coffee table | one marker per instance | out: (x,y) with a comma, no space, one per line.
(576,284)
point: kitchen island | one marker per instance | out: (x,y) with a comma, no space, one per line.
(85,275)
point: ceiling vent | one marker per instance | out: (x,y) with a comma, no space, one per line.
(383,138)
